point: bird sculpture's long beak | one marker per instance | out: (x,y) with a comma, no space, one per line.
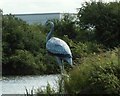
(46,23)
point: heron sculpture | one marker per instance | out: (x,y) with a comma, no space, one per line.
(58,48)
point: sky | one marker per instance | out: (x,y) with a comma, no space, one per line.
(41,6)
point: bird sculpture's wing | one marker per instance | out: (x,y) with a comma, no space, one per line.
(58,47)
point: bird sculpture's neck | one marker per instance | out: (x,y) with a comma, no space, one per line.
(51,31)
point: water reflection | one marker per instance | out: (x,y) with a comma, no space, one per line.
(17,84)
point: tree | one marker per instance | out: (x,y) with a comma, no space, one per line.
(66,26)
(104,19)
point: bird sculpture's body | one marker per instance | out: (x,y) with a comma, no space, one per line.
(58,48)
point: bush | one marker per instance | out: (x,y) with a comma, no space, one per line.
(83,49)
(23,63)
(24,49)
(98,74)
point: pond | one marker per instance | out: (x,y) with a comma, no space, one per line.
(17,84)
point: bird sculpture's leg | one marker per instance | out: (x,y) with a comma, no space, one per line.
(61,83)
(60,63)
(62,67)
(62,76)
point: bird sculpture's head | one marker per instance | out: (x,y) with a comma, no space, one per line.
(48,22)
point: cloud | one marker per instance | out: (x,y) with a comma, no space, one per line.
(35,6)
(40,6)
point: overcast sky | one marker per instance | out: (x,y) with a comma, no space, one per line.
(40,6)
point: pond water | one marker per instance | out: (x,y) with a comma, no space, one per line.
(17,84)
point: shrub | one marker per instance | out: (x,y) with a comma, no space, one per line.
(22,61)
(98,74)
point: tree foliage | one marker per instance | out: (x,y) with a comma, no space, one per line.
(66,26)
(104,19)
(24,48)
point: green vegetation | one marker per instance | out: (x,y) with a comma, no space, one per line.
(92,37)
(97,74)
(24,49)
(104,19)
